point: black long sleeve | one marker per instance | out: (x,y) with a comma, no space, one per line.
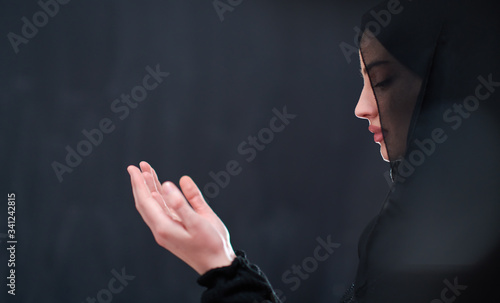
(241,282)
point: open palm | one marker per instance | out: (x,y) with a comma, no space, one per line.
(190,230)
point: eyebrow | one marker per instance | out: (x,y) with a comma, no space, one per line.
(373,64)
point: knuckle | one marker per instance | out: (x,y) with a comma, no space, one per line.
(161,235)
(160,241)
(177,202)
(138,205)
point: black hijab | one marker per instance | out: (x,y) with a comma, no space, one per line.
(437,237)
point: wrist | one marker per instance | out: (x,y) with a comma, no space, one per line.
(223,260)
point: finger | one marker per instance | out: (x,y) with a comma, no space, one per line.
(161,200)
(157,181)
(136,177)
(161,226)
(145,166)
(156,190)
(193,194)
(147,172)
(175,200)
(149,209)
(150,182)
(158,197)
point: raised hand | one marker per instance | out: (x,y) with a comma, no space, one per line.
(189,230)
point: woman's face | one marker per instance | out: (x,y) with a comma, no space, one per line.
(396,89)
(367,109)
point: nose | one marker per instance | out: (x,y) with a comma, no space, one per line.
(367,104)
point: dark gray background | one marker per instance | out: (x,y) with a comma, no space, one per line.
(321,176)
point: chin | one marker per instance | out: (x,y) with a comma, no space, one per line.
(385,157)
(383,152)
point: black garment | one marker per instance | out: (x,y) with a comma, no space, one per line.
(435,75)
(239,282)
(437,237)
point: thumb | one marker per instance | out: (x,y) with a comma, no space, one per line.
(193,194)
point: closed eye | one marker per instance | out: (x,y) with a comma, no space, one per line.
(384,83)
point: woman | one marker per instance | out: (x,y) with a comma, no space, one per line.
(431,93)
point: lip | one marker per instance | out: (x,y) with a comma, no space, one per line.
(377,133)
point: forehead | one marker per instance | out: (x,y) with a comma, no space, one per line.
(372,50)
(382,63)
